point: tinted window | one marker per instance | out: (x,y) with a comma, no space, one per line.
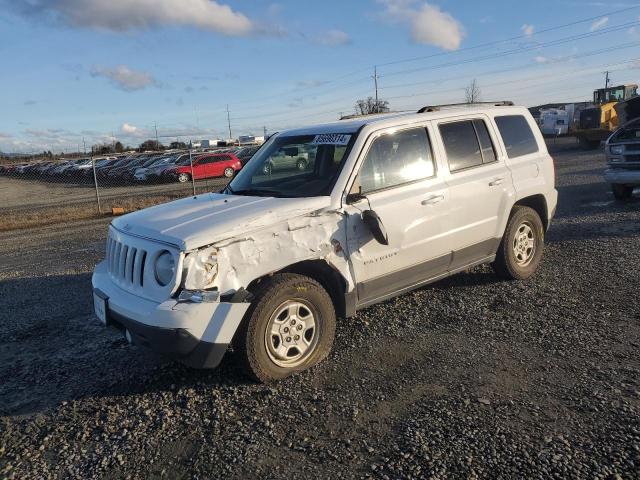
(486,145)
(461,145)
(396,159)
(517,135)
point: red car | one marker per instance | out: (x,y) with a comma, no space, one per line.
(207,166)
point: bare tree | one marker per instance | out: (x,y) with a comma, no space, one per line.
(472,93)
(371,105)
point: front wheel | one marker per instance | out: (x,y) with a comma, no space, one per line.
(520,250)
(228,172)
(289,327)
(301,164)
(184,177)
(621,192)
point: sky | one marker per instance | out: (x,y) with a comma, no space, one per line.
(120,69)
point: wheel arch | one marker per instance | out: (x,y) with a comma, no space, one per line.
(539,204)
(330,279)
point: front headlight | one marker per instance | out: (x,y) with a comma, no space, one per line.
(616,149)
(200,269)
(165,268)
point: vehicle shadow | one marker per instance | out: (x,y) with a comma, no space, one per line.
(53,350)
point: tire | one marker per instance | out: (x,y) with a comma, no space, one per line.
(301,164)
(522,245)
(267,169)
(184,177)
(270,311)
(621,192)
(228,172)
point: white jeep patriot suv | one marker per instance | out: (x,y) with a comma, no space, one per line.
(387,203)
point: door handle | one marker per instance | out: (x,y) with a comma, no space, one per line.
(432,200)
(496,182)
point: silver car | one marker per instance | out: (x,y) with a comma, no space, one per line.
(623,160)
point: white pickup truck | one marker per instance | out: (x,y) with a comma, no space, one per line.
(389,203)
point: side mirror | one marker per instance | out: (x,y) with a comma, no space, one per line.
(374,224)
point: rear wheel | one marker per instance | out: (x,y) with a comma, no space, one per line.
(621,192)
(228,172)
(522,244)
(289,327)
(301,164)
(184,177)
(267,168)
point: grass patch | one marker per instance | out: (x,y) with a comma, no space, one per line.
(22,219)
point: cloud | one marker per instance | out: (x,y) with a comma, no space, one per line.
(333,38)
(599,24)
(635,65)
(123,15)
(124,77)
(28,103)
(541,59)
(527,30)
(128,128)
(427,23)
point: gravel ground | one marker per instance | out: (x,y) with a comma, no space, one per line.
(471,377)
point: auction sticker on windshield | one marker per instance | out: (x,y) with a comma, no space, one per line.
(331,139)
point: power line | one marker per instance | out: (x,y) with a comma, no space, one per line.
(553,43)
(519,37)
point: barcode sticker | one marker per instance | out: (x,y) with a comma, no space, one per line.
(331,139)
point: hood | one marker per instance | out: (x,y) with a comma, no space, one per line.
(197,221)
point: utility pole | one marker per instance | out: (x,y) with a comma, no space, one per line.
(375,81)
(264,131)
(229,122)
(606,79)
(157,142)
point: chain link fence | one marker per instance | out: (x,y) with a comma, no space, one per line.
(45,191)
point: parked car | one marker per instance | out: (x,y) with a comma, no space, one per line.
(622,150)
(154,171)
(79,168)
(140,173)
(207,166)
(392,202)
(124,172)
(287,158)
(244,154)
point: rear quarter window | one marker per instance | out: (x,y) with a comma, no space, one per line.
(517,135)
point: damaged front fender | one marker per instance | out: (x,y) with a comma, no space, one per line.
(310,237)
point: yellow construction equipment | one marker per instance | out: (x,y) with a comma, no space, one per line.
(598,122)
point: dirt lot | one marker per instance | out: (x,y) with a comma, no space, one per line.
(471,377)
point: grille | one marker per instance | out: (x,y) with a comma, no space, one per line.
(126,263)
(632,158)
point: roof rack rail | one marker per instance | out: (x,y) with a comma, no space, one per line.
(435,108)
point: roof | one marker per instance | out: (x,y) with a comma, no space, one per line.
(389,119)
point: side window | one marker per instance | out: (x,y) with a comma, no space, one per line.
(397,158)
(517,135)
(486,145)
(461,144)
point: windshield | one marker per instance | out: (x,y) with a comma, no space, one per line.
(294,166)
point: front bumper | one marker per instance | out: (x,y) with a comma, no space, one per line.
(622,176)
(197,334)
